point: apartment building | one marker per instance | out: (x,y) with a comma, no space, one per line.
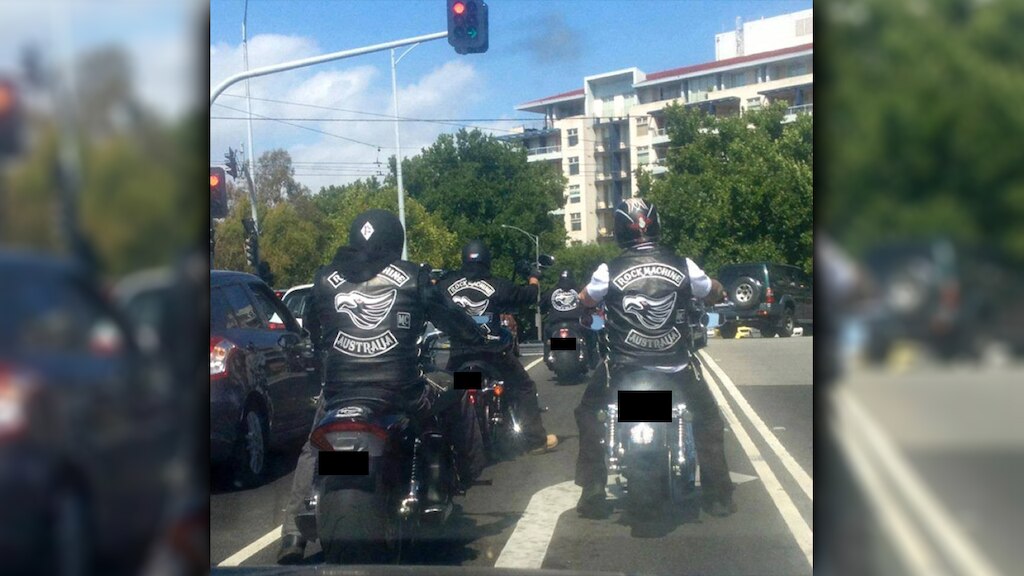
(599,134)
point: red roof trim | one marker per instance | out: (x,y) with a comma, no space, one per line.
(725,63)
(577,92)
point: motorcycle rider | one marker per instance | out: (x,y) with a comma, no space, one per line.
(563,303)
(367,310)
(645,290)
(480,293)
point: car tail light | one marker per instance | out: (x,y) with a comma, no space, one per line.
(769,296)
(275,326)
(563,333)
(16,390)
(322,437)
(220,353)
(279,294)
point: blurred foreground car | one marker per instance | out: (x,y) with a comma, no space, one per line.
(145,298)
(774,298)
(263,378)
(85,427)
(955,300)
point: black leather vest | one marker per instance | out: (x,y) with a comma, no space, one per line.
(648,292)
(370,328)
(482,297)
(563,305)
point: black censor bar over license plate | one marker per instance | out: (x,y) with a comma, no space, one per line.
(645,405)
(563,343)
(343,463)
(468,380)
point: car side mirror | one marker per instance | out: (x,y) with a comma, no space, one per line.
(288,340)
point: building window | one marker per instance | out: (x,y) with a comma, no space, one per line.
(643,155)
(797,68)
(574,165)
(804,26)
(574,194)
(699,88)
(753,103)
(641,126)
(576,221)
(574,136)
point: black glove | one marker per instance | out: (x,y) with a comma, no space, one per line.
(536,271)
(523,268)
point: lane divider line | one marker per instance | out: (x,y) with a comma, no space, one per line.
(528,545)
(251,550)
(795,470)
(790,515)
(907,541)
(961,550)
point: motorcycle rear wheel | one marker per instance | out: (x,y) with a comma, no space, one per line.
(354,526)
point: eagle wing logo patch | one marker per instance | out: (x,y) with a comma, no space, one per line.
(652,313)
(564,300)
(473,307)
(366,312)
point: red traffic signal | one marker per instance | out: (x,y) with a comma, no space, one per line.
(218,193)
(11,141)
(467,26)
(458,8)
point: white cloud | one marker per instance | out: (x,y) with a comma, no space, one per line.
(444,92)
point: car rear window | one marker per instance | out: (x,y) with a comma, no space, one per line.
(733,271)
(296,302)
(244,312)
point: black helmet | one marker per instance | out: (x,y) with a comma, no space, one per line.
(475,252)
(566,280)
(378,233)
(636,222)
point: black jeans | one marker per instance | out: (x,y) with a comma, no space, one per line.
(458,423)
(708,431)
(522,389)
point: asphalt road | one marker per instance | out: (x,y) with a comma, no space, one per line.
(526,517)
(934,449)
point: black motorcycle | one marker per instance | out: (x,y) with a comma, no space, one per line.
(572,348)
(381,478)
(655,458)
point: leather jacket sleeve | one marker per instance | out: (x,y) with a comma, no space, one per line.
(448,316)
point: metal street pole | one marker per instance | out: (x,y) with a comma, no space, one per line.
(536,240)
(294,64)
(248,107)
(398,149)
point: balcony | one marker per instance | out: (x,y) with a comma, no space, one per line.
(660,166)
(544,153)
(793,111)
(659,136)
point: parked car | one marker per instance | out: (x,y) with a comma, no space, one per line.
(144,297)
(263,375)
(774,298)
(85,424)
(296,299)
(955,300)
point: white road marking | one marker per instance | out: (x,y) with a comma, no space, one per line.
(801,477)
(794,521)
(249,551)
(534,363)
(908,542)
(960,548)
(529,542)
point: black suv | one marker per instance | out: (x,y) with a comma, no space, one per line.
(263,375)
(774,298)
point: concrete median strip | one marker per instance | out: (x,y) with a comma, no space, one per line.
(794,469)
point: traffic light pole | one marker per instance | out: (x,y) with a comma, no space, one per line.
(294,64)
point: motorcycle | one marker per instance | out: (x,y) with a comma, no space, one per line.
(499,425)
(573,364)
(373,512)
(655,460)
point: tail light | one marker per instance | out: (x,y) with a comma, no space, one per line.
(323,436)
(499,389)
(769,296)
(471,394)
(563,333)
(220,353)
(16,390)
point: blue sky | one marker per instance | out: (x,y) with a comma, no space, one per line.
(537,48)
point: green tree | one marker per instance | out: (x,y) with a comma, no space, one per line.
(738,188)
(582,260)
(275,178)
(475,183)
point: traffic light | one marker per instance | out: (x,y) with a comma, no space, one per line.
(11,142)
(218,193)
(252,243)
(467,26)
(232,163)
